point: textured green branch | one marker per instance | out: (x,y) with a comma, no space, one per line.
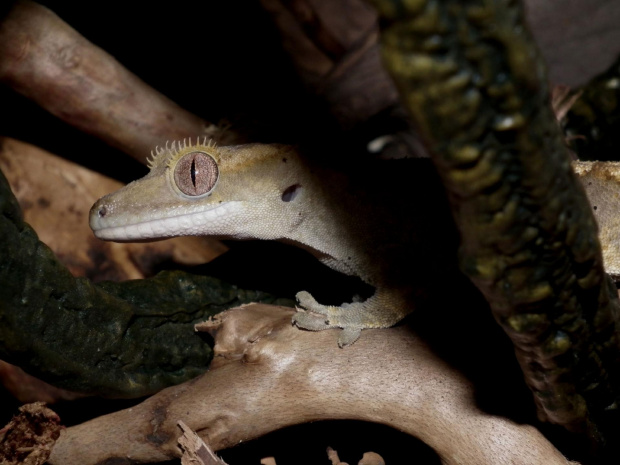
(475,83)
(114,339)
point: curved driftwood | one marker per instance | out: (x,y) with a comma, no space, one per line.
(267,375)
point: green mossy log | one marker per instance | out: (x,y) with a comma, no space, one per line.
(126,339)
(474,81)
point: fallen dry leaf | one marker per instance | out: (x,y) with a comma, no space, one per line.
(29,437)
(195,450)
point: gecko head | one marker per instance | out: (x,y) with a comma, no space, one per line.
(239,192)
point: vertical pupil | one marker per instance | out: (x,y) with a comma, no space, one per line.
(193,172)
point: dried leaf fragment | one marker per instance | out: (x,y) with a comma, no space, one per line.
(369,458)
(29,437)
(195,450)
(332,455)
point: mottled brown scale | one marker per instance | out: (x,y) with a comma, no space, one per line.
(196,173)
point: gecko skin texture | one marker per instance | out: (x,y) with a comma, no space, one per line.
(270,192)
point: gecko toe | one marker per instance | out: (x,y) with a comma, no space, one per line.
(310,321)
(309,303)
(348,336)
(316,317)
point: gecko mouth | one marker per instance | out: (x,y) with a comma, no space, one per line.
(186,224)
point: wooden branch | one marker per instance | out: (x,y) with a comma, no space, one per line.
(333,46)
(294,376)
(26,388)
(46,60)
(55,196)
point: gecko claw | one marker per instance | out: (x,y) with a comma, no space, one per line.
(348,336)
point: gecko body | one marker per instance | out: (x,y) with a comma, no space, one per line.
(356,226)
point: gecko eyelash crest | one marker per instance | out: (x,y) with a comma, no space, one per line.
(169,153)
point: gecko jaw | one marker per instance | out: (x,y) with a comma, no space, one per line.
(188,224)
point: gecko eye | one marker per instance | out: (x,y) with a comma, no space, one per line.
(196,173)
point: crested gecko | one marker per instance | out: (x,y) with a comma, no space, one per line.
(270,192)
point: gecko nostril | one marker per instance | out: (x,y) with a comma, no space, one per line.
(102,212)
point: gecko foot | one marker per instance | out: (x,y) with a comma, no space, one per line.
(307,302)
(382,310)
(315,318)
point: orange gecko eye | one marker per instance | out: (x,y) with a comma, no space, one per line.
(196,173)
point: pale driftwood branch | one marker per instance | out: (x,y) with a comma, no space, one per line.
(46,60)
(268,375)
(55,196)
(26,388)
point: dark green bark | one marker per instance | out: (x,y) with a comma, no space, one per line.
(125,339)
(473,79)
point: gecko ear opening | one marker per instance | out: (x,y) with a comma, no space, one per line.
(291,192)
